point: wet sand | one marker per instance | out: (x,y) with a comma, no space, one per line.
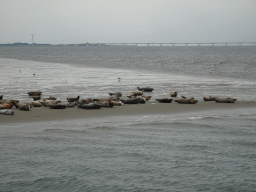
(150,108)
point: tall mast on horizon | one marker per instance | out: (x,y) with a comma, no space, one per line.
(32,35)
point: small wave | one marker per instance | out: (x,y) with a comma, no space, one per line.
(63,131)
(194,146)
(103,128)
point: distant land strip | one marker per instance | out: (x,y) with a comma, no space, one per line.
(138,44)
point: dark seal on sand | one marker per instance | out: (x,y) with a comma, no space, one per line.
(164,100)
(145,89)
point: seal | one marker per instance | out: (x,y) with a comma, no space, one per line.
(105,104)
(36,98)
(174,94)
(47,103)
(146,97)
(130,101)
(35,93)
(164,100)
(37,104)
(90,106)
(9,101)
(145,89)
(186,101)
(136,93)
(57,106)
(83,101)
(225,100)
(6,112)
(117,94)
(71,104)
(50,98)
(72,99)
(116,103)
(6,106)
(24,106)
(209,98)
(1,97)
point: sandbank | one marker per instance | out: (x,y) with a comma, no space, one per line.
(150,108)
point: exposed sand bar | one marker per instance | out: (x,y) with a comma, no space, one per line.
(47,114)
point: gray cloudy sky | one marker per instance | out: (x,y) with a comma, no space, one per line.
(102,21)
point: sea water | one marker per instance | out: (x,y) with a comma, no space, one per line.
(203,151)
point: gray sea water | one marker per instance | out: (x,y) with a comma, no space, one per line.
(202,151)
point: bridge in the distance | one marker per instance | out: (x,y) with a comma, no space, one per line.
(185,44)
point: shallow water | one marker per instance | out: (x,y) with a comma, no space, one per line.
(202,151)
(137,153)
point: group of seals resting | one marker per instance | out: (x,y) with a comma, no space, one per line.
(134,98)
(219,99)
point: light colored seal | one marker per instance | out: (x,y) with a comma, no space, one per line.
(117,94)
(37,104)
(6,112)
(225,100)
(24,106)
(186,101)
(174,94)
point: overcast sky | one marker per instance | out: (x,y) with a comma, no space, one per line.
(117,21)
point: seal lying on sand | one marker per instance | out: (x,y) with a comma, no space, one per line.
(136,93)
(9,101)
(174,94)
(50,98)
(90,106)
(57,106)
(36,98)
(47,103)
(83,101)
(164,100)
(1,97)
(117,103)
(35,93)
(6,106)
(145,89)
(72,99)
(142,96)
(105,104)
(6,112)
(37,104)
(108,99)
(117,94)
(186,101)
(225,100)
(130,101)
(187,97)
(209,98)
(24,106)
(70,104)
